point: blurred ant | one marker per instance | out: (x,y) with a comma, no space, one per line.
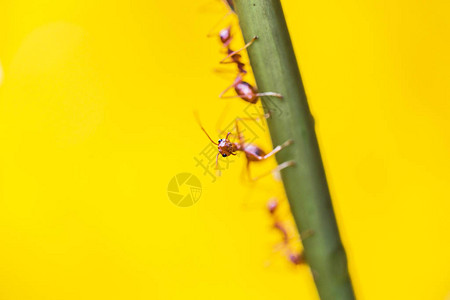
(297,258)
(244,90)
(225,38)
(252,152)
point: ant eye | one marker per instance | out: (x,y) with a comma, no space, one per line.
(224,155)
(220,140)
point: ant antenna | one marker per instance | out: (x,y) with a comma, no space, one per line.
(211,31)
(200,124)
(209,136)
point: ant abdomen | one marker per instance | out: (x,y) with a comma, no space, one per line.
(246,92)
(253,151)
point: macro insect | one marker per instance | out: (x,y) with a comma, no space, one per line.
(252,152)
(297,258)
(225,38)
(244,90)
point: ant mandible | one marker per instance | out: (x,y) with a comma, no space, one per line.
(252,152)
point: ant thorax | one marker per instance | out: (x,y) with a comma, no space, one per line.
(226,148)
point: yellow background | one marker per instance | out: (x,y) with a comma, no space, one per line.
(96,117)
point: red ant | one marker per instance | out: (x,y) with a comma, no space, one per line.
(225,38)
(252,152)
(297,258)
(244,90)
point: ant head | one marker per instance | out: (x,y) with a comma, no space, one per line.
(225,36)
(296,258)
(225,147)
(272,206)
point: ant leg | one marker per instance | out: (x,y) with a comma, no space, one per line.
(224,71)
(217,161)
(283,231)
(236,81)
(249,173)
(226,90)
(229,62)
(260,118)
(279,246)
(275,150)
(265,116)
(229,97)
(240,137)
(241,143)
(280,167)
(239,50)
(269,94)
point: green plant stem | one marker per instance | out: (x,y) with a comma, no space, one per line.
(275,68)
